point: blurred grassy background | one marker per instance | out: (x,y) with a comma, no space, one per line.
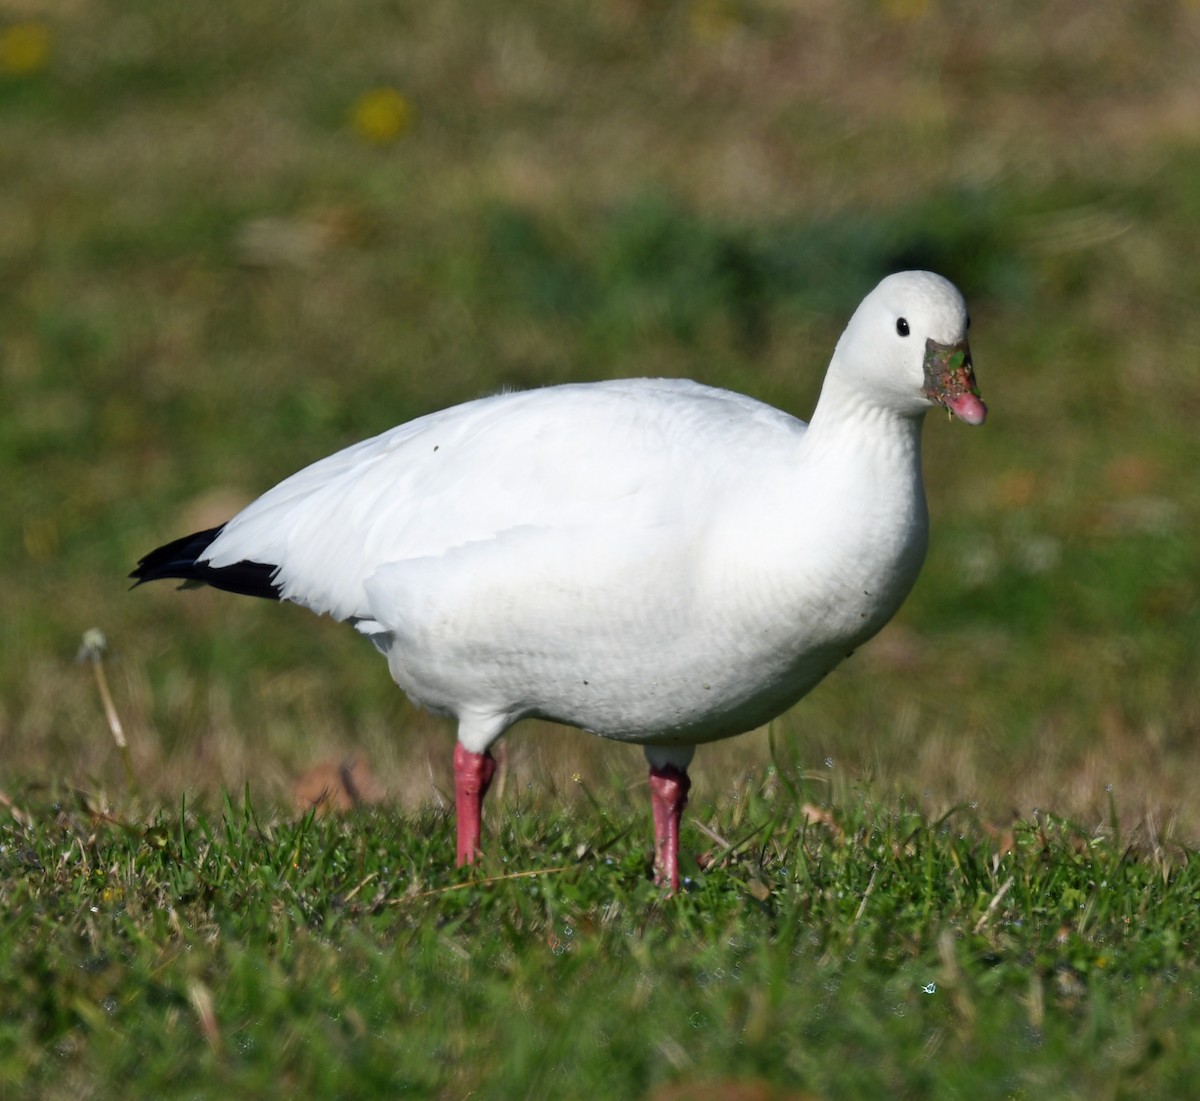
(234,239)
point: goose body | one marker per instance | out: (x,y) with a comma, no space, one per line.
(651,560)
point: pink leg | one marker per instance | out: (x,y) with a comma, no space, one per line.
(668,796)
(472,776)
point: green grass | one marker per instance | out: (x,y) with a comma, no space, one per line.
(210,279)
(869,951)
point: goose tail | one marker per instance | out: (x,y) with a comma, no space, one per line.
(180,559)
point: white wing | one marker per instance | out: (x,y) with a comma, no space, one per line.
(604,461)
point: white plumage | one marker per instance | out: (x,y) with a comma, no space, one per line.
(651,560)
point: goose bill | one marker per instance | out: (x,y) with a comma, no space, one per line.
(950,380)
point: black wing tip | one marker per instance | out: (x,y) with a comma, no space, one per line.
(178,560)
(174,559)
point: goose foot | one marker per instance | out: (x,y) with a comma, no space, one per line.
(668,796)
(473,774)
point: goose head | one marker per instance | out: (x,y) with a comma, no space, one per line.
(906,348)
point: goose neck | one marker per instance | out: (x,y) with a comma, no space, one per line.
(846,417)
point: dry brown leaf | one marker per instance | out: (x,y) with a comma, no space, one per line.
(335,786)
(819,816)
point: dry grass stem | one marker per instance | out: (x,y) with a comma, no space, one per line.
(997,898)
(489,881)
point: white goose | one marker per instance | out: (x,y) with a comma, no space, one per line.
(651,560)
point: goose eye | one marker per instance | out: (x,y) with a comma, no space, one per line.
(902,326)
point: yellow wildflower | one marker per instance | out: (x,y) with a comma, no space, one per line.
(381,115)
(904,11)
(24,48)
(715,20)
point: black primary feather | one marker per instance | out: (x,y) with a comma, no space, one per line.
(177,559)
